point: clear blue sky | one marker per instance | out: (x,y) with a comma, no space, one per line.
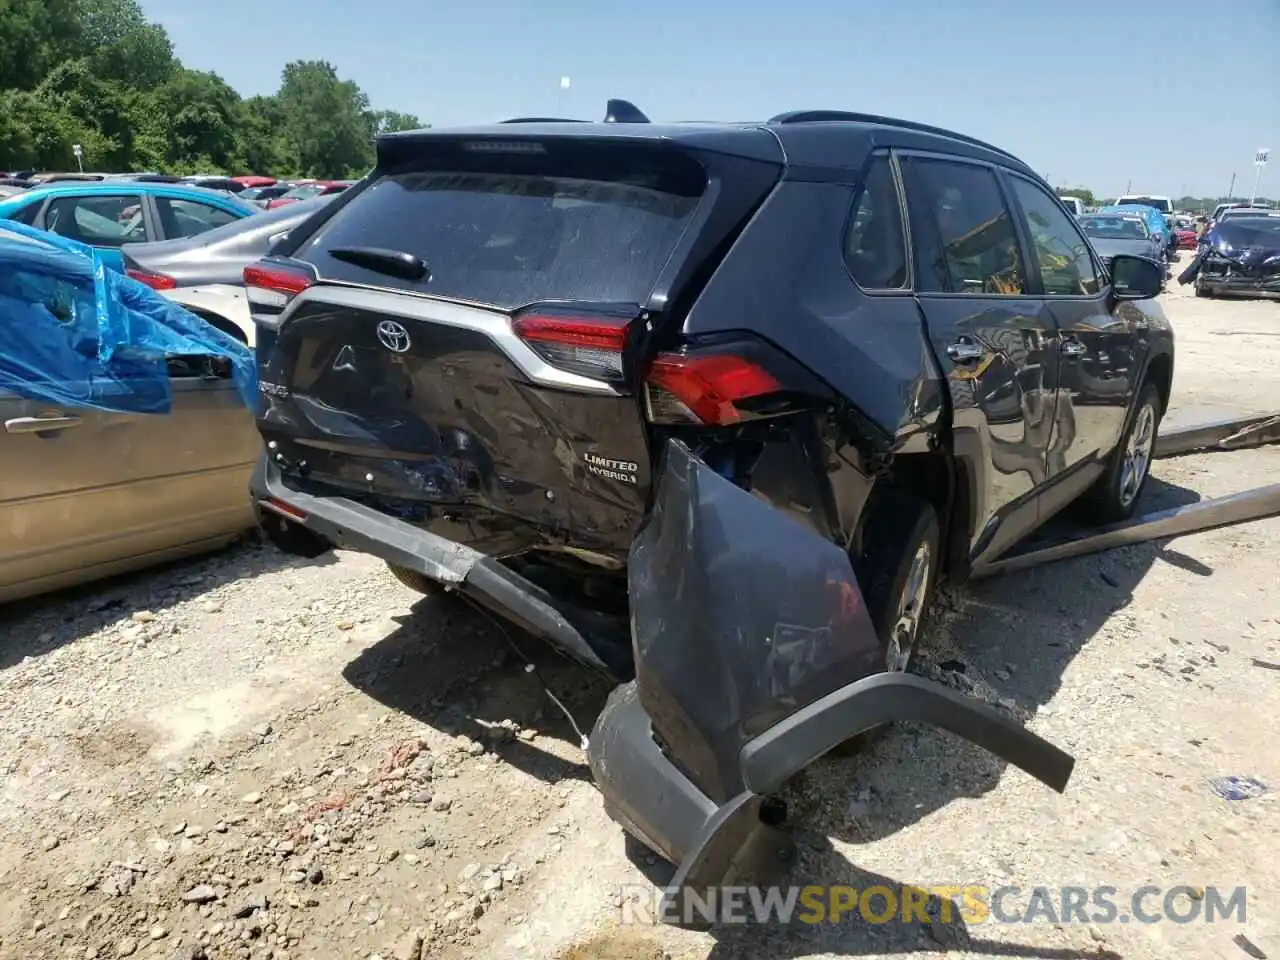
(1175,95)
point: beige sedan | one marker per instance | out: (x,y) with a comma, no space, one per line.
(86,494)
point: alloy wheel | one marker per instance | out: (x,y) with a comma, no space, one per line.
(1137,454)
(911,606)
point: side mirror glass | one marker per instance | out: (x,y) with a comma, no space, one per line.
(1135,278)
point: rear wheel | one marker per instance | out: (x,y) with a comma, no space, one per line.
(898,574)
(1115,496)
(291,538)
(414,580)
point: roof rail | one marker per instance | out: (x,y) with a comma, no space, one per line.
(542,120)
(846,116)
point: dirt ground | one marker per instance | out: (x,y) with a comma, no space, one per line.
(252,757)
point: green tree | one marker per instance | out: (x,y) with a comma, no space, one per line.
(122,45)
(34,36)
(93,112)
(325,124)
(97,73)
(204,116)
(389,121)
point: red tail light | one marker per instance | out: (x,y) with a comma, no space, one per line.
(156,281)
(704,389)
(269,288)
(277,279)
(588,346)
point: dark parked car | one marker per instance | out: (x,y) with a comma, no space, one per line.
(694,404)
(1239,256)
(1112,233)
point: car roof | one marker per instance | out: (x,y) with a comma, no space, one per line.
(178,191)
(831,139)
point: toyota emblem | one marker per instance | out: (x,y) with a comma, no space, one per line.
(393,336)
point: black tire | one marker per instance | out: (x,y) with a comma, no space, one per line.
(1202,291)
(291,538)
(1115,496)
(899,527)
(415,580)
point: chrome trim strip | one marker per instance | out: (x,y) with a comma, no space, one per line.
(492,323)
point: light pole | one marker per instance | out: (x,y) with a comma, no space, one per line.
(1259,161)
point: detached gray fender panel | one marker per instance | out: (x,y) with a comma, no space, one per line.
(755,656)
(782,751)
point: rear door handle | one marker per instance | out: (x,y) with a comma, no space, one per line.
(1074,348)
(40,424)
(965,351)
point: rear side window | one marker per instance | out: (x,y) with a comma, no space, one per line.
(875,249)
(583,224)
(98,220)
(189,218)
(965,237)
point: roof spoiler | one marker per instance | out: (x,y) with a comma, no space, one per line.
(615,111)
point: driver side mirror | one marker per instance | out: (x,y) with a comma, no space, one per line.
(1135,278)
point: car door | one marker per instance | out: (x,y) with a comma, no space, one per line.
(1101,345)
(992,336)
(68,506)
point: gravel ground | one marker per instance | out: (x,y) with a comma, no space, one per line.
(254,757)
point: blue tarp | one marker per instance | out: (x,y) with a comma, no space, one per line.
(77,334)
(1155,220)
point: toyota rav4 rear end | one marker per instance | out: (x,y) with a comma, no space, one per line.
(473,367)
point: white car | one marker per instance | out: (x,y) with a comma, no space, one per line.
(223,305)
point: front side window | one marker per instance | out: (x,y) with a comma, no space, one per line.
(875,249)
(99,221)
(1061,251)
(965,238)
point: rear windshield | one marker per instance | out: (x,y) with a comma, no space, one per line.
(510,230)
(1115,228)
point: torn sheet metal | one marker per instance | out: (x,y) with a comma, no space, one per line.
(75,333)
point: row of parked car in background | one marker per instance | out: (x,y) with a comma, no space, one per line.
(1237,246)
(267,192)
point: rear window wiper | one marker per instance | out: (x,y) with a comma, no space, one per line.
(394,263)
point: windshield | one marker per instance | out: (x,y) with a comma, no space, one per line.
(1252,212)
(1160,203)
(1115,228)
(1265,225)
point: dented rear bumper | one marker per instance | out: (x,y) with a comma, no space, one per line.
(752,655)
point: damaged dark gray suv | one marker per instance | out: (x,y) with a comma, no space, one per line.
(711,408)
